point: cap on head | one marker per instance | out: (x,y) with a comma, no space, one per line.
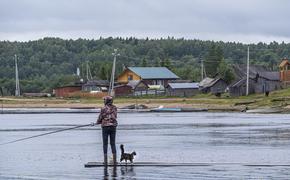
(108,100)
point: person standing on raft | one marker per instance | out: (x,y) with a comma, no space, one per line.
(108,121)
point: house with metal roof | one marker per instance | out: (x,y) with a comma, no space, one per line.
(150,75)
(182,89)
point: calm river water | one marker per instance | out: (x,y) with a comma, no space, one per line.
(230,142)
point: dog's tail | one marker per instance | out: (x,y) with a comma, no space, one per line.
(122,148)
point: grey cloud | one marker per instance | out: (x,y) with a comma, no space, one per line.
(199,19)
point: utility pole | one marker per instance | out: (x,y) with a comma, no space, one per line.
(202,69)
(89,74)
(87,70)
(17,87)
(248,71)
(111,88)
(203,72)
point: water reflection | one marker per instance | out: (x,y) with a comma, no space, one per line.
(113,172)
(125,172)
(128,171)
(174,137)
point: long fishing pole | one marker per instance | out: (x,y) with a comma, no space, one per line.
(1,90)
(22,139)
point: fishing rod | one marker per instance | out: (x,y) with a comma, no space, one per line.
(1,90)
(22,139)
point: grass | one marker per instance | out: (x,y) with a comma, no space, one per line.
(274,99)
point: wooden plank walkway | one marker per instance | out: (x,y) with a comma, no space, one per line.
(164,164)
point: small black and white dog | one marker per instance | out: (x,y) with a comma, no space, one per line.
(126,156)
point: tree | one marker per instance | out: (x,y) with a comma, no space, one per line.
(54,57)
(225,72)
(157,62)
(167,63)
(212,60)
(144,62)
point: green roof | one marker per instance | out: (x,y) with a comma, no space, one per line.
(153,72)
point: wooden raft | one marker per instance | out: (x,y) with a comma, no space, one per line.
(165,164)
(100,164)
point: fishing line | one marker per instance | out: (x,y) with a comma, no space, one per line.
(22,139)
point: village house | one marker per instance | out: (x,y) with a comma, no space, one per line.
(260,80)
(150,75)
(132,88)
(123,90)
(285,72)
(139,87)
(215,86)
(182,89)
(65,91)
(96,86)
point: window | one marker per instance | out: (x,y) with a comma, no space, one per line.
(130,77)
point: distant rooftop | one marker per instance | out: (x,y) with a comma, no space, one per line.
(183,85)
(254,70)
(153,72)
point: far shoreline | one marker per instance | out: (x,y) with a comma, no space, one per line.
(278,99)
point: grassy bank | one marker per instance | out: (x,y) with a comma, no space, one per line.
(279,98)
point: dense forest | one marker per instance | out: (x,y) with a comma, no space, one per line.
(50,62)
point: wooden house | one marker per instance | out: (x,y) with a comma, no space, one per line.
(150,75)
(182,89)
(139,87)
(260,80)
(213,85)
(96,86)
(123,90)
(285,71)
(65,91)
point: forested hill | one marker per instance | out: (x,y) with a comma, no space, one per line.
(51,62)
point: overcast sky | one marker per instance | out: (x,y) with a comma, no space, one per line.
(226,20)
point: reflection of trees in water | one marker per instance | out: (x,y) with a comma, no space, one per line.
(126,171)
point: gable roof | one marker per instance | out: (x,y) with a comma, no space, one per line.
(215,81)
(209,82)
(97,83)
(153,72)
(284,62)
(183,85)
(274,76)
(135,83)
(240,72)
(205,82)
(238,83)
